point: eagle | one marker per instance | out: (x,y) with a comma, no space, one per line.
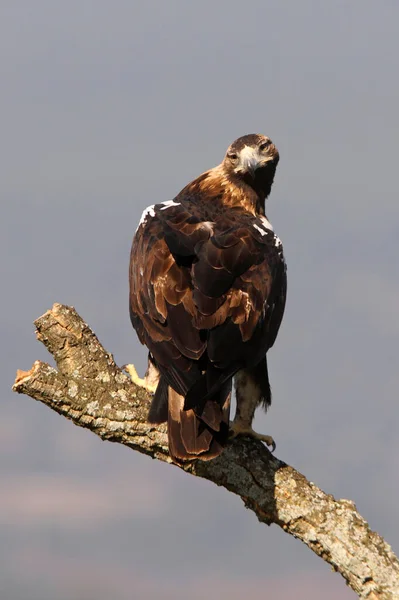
(207,281)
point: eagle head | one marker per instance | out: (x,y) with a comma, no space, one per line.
(253,158)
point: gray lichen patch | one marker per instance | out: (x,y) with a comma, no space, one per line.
(92,407)
(73,389)
(103,377)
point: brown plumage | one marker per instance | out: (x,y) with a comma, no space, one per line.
(207,295)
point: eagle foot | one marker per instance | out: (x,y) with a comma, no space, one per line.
(239,428)
(147,383)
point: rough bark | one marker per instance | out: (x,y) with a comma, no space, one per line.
(91,390)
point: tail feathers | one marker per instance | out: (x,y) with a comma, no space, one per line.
(209,386)
(158,412)
(202,436)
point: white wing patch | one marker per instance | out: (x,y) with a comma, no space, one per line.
(169,203)
(148,212)
(268,228)
(266,223)
(261,231)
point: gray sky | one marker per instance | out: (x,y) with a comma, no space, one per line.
(107,107)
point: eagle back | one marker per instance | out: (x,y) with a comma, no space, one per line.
(207,282)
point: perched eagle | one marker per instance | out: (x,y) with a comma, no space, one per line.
(207,296)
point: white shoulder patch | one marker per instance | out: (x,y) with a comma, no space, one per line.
(148,212)
(266,228)
(261,231)
(266,223)
(169,203)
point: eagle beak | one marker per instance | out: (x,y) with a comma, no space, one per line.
(249,160)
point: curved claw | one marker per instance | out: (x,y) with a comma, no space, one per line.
(237,428)
(147,383)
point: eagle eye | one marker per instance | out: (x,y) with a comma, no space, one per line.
(232,155)
(264,145)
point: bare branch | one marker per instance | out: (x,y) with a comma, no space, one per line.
(92,391)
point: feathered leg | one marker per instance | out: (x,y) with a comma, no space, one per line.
(252,388)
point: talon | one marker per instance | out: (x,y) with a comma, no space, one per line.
(150,386)
(237,428)
(131,370)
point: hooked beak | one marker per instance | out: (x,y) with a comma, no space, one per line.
(250,160)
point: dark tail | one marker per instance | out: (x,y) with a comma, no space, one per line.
(199,432)
(202,436)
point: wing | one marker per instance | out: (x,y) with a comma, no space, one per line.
(161,290)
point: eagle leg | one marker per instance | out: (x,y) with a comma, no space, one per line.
(252,389)
(238,427)
(150,380)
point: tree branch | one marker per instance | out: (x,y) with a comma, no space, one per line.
(92,391)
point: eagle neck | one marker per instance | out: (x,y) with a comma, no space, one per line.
(217,185)
(238,193)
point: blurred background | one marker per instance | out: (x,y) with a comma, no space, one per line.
(107,107)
